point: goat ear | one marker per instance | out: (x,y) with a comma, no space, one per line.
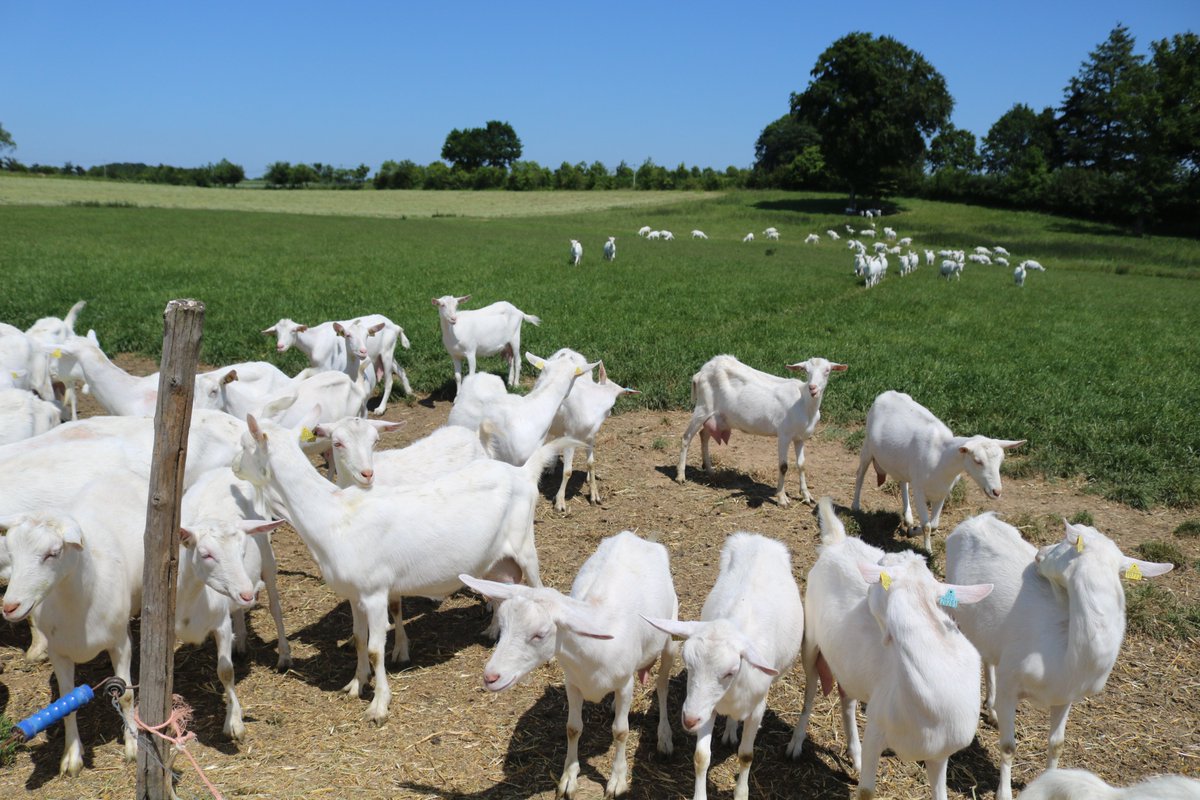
(801,366)
(493,590)
(230,376)
(301,328)
(674,627)
(536,361)
(579,619)
(838,367)
(464,298)
(1008,444)
(10,521)
(255,431)
(383,426)
(871,573)
(268,331)
(341,330)
(436,303)
(963,594)
(187,538)
(588,367)
(72,535)
(754,659)
(1133,568)
(253,526)
(602,375)
(374,329)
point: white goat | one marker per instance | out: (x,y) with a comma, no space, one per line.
(476,395)
(373,339)
(773,235)
(905,242)
(1031,264)
(513,427)
(212,583)
(219,494)
(1000,251)
(601,645)
(482,332)
(1078,784)
(324,348)
(79,575)
(750,631)
(728,396)
(929,258)
(645,229)
(392,542)
(1052,630)
(1019,275)
(654,236)
(667,236)
(51,331)
(576,253)
(610,249)
(749,237)
(699,234)
(926,706)
(905,440)
(812,238)
(24,361)
(950,268)
(579,417)
(889,234)
(119,392)
(23,415)
(446,450)
(833,235)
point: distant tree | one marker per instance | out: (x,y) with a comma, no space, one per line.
(874,102)
(302,175)
(495,145)
(527,176)
(438,176)
(954,148)
(570,176)
(597,176)
(279,173)
(1099,122)
(1176,66)
(225,173)
(1010,141)
(781,141)
(623,176)
(6,140)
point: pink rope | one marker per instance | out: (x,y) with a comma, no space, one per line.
(181,716)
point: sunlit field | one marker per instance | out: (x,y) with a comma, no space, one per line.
(1095,362)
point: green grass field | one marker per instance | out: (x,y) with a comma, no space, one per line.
(1094,361)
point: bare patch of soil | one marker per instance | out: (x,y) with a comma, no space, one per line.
(447,737)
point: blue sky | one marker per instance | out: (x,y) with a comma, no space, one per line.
(188,83)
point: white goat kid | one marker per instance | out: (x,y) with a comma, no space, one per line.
(749,237)
(373,339)
(1052,630)
(697,234)
(391,542)
(905,440)
(579,417)
(729,396)
(212,583)
(601,645)
(750,631)
(576,253)
(486,331)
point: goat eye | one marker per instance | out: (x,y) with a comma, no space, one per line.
(979,461)
(52,554)
(208,557)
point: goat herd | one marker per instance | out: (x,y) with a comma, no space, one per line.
(457,508)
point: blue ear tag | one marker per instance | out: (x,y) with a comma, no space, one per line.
(949,599)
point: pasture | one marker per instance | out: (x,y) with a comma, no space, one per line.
(1095,362)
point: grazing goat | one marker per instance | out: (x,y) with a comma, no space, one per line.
(1052,630)
(601,645)
(812,238)
(610,249)
(728,395)
(749,237)
(699,235)
(391,542)
(905,440)
(482,332)
(833,235)
(645,229)
(749,633)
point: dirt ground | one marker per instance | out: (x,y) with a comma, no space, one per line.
(448,738)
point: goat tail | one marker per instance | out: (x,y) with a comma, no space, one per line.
(532,320)
(544,456)
(832,529)
(73,315)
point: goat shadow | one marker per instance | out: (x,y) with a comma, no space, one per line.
(537,748)
(742,486)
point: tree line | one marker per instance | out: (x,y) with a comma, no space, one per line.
(874,121)
(1124,146)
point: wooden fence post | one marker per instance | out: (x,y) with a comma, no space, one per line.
(183,323)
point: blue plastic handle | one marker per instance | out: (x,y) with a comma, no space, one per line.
(67,704)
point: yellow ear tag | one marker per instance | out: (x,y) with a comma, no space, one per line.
(57,353)
(15,374)
(885,580)
(306,435)
(1133,573)
(1079,545)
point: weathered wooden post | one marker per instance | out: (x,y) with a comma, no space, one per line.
(183,323)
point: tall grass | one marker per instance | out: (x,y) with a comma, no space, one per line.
(1094,361)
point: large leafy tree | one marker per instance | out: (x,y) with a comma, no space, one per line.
(495,145)
(874,102)
(1105,105)
(1011,141)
